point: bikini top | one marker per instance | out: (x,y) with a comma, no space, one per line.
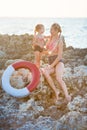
(51,45)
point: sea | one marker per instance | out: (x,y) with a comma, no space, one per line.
(73,29)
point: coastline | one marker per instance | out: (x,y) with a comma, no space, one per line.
(73,29)
(39,108)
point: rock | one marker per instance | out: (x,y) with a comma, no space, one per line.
(2,54)
(31,104)
(44,123)
(70,48)
(26,106)
(85,60)
(4,40)
(21,78)
(28,57)
(81,70)
(78,104)
(60,126)
(9,62)
(2,59)
(44,90)
(38,110)
(17,82)
(74,120)
(26,126)
(64,43)
(76,77)
(1,72)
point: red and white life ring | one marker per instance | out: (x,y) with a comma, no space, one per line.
(29,88)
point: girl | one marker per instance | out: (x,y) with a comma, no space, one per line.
(38,43)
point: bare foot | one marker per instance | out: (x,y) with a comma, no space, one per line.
(58,99)
(68,98)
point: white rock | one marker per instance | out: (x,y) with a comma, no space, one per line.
(21,78)
(76,104)
(72,114)
(9,62)
(80,71)
(85,60)
(2,54)
(26,106)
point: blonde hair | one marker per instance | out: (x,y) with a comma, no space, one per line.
(56,27)
(38,27)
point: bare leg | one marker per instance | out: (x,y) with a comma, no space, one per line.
(37,59)
(59,74)
(50,81)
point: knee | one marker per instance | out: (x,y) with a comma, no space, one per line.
(59,80)
(44,72)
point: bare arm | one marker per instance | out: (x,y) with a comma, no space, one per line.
(60,52)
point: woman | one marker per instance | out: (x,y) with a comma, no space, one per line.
(56,65)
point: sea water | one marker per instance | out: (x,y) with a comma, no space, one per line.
(73,29)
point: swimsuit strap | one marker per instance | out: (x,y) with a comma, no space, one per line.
(51,45)
(41,39)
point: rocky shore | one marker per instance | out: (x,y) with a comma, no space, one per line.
(38,111)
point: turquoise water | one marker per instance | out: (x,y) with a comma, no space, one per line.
(73,29)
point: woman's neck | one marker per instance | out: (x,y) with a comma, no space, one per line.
(54,37)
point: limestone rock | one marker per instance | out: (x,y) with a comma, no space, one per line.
(74,120)
(78,104)
(2,54)
(21,78)
(9,62)
(1,72)
(38,111)
(85,60)
(26,106)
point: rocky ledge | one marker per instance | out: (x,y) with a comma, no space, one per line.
(38,111)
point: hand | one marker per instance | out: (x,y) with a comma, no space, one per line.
(44,47)
(49,67)
(49,52)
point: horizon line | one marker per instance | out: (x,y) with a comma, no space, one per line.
(39,17)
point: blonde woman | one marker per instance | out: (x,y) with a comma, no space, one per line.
(56,65)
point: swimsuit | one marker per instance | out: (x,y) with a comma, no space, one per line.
(50,46)
(51,59)
(37,47)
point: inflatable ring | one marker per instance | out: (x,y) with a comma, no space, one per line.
(29,88)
